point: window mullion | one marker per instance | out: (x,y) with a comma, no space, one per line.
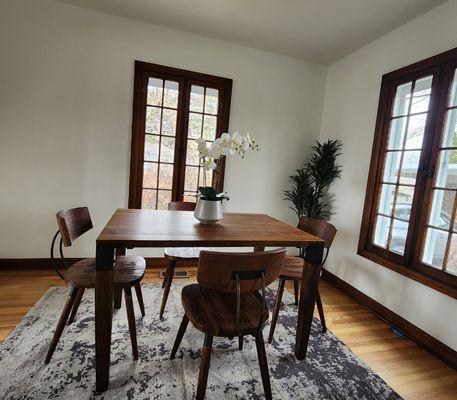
(180,164)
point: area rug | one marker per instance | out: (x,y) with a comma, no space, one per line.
(330,371)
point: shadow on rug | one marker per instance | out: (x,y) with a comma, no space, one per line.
(330,371)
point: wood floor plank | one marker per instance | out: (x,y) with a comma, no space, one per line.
(413,372)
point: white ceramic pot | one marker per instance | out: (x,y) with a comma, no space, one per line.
(208,212)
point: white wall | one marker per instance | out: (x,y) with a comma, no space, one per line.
(350,106)
(66,86)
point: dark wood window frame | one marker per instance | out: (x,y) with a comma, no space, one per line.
(442,66)
(143,71)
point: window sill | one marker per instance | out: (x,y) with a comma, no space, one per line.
(447,289)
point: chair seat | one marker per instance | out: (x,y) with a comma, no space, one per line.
(182,253)
(214,312)
(128,271)
(292,268)
(189,253)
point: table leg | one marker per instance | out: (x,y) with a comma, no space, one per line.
(120,251)
(103,314)
(309,285)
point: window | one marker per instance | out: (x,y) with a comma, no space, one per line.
(171,108)
(409,221)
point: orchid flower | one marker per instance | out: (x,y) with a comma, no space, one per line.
(209,164)
(226,145)
(216,149)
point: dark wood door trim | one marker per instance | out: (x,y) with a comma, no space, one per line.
(442,68)
(143,71)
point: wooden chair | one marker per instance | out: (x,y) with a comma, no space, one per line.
(80,276)
(226,302)
(175,254)
(292,268)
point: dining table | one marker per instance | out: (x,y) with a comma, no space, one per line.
(140,228)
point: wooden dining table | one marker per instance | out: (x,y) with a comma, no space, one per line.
(131,228)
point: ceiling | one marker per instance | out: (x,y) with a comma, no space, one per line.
(315,30)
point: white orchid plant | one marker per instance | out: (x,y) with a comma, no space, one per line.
(227,145)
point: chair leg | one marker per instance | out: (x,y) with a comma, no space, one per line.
(61,324)
(276,309)
(262,355)
(179,336)
(139,296)
(117,297)
(131,320)
(320,308)
(165,277)
(170,273)
(296,291)
(204,367)
(167,272)
(76,304)
(240,342)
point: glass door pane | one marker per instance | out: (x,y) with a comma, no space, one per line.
(203,122)
(440,244)
(159,143)
(401,157)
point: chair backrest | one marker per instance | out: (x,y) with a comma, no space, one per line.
(181,206)
(218,270)
(318,227)
(73,223)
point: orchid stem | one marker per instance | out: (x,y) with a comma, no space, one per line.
(204,172)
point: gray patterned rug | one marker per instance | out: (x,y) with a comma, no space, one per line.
(331,370)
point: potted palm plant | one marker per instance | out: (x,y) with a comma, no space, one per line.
(209,202)
(310,184)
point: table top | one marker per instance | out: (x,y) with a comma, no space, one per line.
(157,228)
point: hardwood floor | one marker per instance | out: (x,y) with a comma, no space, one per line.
(410,370)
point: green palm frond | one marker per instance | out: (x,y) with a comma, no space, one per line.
(312,181)
(300,192)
